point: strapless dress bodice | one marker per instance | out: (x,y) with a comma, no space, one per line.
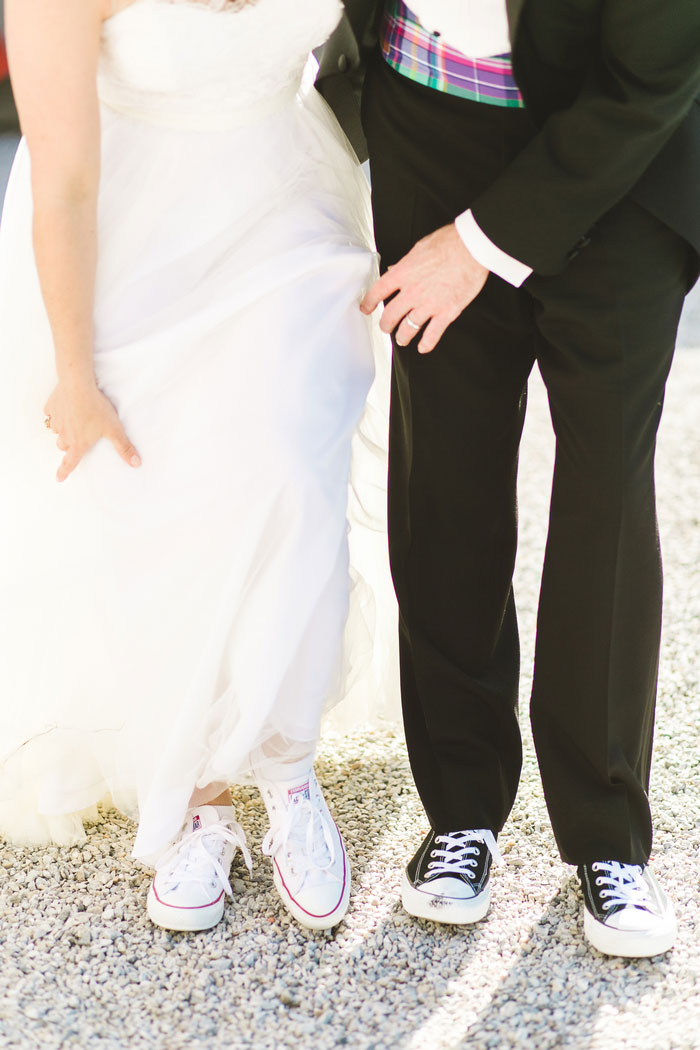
(204,63)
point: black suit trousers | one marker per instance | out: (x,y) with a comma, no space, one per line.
(602,333)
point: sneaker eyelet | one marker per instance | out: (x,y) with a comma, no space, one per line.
(433,853)
(599,882)
(608,904)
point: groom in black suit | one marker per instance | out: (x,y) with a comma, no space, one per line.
(592,190)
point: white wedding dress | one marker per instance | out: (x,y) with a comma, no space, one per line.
(159,625)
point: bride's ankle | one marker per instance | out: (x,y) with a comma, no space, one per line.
(205,797)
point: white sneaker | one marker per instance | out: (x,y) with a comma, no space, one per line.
(310,867)
(191,880)
(625,910)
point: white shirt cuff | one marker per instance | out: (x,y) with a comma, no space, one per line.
(488,254)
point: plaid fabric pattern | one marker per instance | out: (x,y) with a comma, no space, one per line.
(410,49)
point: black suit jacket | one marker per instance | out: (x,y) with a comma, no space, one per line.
(614,89)
(342,62)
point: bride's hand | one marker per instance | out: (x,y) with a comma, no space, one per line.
(80,418)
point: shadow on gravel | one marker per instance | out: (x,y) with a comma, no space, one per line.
(83,967)
(559,991)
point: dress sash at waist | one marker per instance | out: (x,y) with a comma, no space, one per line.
(166,113)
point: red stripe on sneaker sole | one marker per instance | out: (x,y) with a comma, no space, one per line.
(184,907)
(311,914)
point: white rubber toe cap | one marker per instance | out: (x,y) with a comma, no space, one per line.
(434,901)
(173,911)
(319,906)
(631,933)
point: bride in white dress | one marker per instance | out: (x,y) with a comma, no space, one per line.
(183,249)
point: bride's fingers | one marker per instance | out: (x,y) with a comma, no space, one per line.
(70,462)
(62,445)
(124,447)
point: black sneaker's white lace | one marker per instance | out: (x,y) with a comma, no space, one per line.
(460,855)
(621,884)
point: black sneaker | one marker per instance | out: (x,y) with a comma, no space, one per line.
(625,910)
(448,878)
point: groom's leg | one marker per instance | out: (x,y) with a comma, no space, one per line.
(608,327)
(456,419)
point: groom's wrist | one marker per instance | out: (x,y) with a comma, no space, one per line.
(489,254)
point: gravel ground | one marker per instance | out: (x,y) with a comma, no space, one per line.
(83,967)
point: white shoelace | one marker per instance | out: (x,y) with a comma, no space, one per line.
(299,813)
(459,855)
(624,884)
(197,855)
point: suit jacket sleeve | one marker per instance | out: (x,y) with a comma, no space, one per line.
(587,157)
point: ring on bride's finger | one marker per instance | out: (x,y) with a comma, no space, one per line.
(412,324)
(47,422)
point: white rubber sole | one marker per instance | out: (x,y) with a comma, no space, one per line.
(306,918)
(629,944)
(450,910)
(183,920)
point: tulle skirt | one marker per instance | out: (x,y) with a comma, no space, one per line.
(159,626)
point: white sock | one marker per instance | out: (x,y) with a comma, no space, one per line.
(284,772)
(226,812)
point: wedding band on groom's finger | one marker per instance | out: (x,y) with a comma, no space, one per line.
(413,328)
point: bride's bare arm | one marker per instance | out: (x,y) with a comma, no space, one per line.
(53,51)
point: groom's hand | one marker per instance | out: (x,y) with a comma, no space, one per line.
(430,287)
